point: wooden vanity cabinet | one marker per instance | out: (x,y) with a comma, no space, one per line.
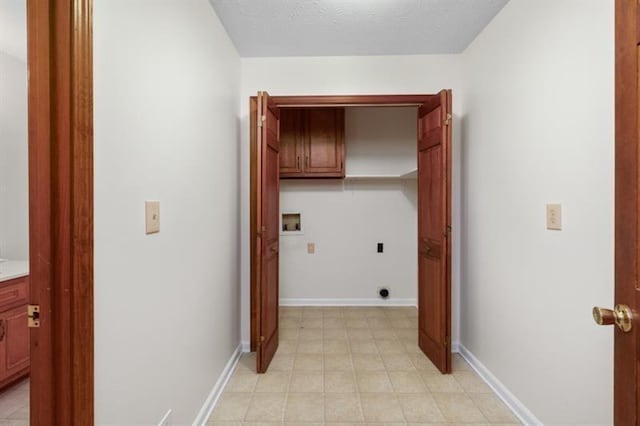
(312,143)
(14,330)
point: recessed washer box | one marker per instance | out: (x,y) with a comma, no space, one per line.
(291,223)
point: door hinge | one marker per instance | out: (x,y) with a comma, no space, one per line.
(262,231)
(447,120)
(262,120)
(33,313)
(261,339)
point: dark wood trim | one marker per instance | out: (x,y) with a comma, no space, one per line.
(429,105)
(447,98)
(353,100)
(81,182)
(39,27)
(60,55)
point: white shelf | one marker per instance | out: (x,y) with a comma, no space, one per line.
(412,174)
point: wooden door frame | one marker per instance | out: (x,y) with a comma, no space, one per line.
(60,121)
(391,100)
(353,100)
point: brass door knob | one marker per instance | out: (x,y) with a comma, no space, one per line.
(621,316)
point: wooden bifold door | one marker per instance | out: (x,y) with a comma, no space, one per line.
(433,120)
(434,230)
(265,211)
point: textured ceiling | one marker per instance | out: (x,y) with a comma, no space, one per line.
(353,27)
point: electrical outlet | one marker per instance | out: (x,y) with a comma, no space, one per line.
(380,247)
(166,420)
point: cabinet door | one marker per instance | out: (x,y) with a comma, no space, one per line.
(16,339)
(324,142)
(291,141)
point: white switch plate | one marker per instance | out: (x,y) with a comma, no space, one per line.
(311,248)
(554,217)
(152,216)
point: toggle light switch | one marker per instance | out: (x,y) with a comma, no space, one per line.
(152,216)
(554,217)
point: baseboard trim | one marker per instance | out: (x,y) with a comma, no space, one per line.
(246,347)
(348,302)
(218,388)
(514,404)
(455,347)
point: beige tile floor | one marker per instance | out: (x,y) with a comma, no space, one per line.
(14,405)
(355,366)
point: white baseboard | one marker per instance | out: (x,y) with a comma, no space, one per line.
(455,347)
(246,347)
(518,408)
(348,302)
(218,388)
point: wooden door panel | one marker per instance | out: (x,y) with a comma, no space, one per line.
(270,302)
(324,145)
(267,230)
(431,321)
(291,141)
(627,237)
(272,189)
(430,162)
(271,256)
(434,220)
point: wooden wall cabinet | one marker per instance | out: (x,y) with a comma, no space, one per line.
(14,330)
(312,143)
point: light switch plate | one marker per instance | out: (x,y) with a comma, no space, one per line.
(554,217)
(152,216)
(311,248)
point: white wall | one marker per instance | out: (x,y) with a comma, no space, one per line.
(335,76)
(14,176)
(538,129)
(381,140)
(166,128)
(346,219)
(13,28)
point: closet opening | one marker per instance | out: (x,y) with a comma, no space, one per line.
(341,186)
